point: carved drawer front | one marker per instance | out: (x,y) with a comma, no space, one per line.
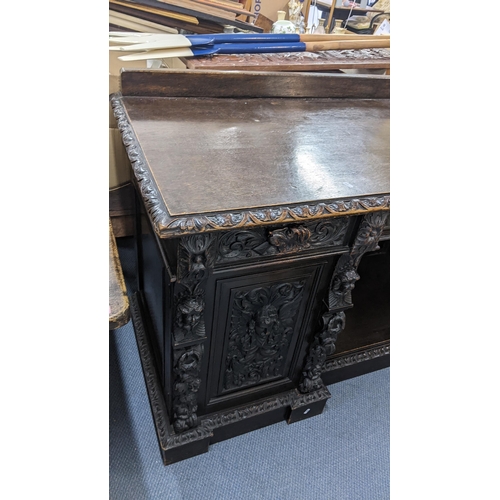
(258,332)
(264,242)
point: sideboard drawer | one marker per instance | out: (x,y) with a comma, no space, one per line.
(280,241)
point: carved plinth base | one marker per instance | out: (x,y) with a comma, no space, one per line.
(356,363)
(308,405)
(291,406)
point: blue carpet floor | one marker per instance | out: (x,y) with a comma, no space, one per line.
(342,454)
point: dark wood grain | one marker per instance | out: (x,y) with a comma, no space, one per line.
(210,156)
(119,313)
(241,84)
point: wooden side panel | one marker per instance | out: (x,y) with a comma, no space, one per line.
(205,83)
(119,312)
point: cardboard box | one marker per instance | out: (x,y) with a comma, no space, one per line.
(269,8)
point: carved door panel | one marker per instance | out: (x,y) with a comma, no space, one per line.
(258,330)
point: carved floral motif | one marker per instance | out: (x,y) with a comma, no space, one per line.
(368,235)
(260,242)
(290,239)
(262,325)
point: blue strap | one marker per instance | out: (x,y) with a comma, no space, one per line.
(258,48)
(244,38)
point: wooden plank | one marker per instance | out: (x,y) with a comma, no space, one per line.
(227,3)
(138,24)
(119,312)
(202,26)
(186,9)
(202,9)
(172,22)
(158,12)
(247,7)
(199,83)
(225,7)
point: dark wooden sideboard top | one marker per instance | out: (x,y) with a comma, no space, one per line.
(208,156)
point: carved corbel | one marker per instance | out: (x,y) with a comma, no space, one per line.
(345,275)
(339,297)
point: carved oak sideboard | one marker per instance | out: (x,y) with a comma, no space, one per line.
(257,196)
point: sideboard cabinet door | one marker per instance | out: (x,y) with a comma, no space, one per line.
(262,318)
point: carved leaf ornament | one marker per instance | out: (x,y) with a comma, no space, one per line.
(235,245)
(262,325)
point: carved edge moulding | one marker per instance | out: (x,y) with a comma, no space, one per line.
(357,357)
(167,226)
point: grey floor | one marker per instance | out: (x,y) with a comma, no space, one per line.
(342,454)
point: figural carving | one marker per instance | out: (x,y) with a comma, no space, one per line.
(187,363)
(345,276)
(195,258)
(262,325)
